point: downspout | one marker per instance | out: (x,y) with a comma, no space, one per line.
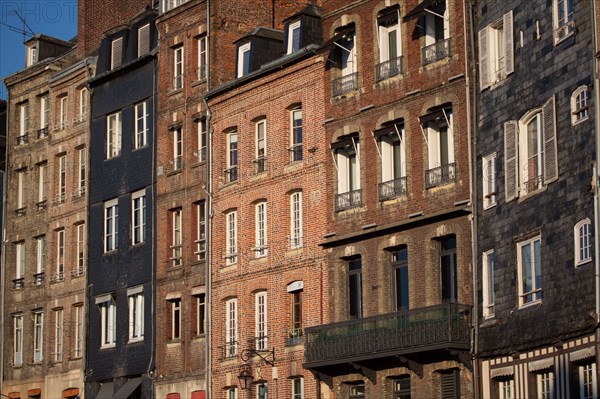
(472,135)
(3,237)
(207,268)
(596,166)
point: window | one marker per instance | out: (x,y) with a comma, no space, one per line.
(82,157)
(296,233)
(82,105)
(231,172)
(487,278)
(202,58)
(141,125)
(23,123)
(399,263)
(58,335)
(202,139)
(108,321)
(40,259)
(116,53)
(61,195)
(20,191)
(390,140)
(530,152)
(296,300)
(62,119)
(296,135)
(348,173)
(80,249)
(32,56)
(111,225)
(138,222)
(401,387)
(440,148)
(38,336)
(345,46)
(583,242)
(450,384)
(176,238)
(355,288)
(390,46)
(143,40)
(545,385)
(357,391)
(260,160)
(20,264)
(579,105)
(587,381)
(293,39)
(298,388)
(231,328)
(44,112)
(506,389)
(177,149)
(261,229)
(178,68)
(42,168)
(135,297)
(113,135)
(262,390)
(232,393)
(200,230)
(260,311)
(200,313)
(529,271)
(437,33)
(496,51)
(489,181)
(78,350)
(18,339)
(60,255)
(564,25)
(243,67)
(167,5)
(448,271)
(231,239)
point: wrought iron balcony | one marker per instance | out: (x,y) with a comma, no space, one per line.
(60,199)
(42,133)
(441,175)
(345,84)
(202,72)
(178,82)
(295,337)
(388,68)
(260,165)
(21,211)
(42,204)
(78,271)
(564,30)
(23,139)
(295,152)
(18,283)
(436,51)
(229,350)
(348,200)
(532,184)
(231,174)
(260,343)
(392,189)
(38,278)
(419,330)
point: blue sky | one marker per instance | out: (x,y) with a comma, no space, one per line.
(52,18)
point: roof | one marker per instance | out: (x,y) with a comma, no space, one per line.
(50,39)
(310,10)
(264,32)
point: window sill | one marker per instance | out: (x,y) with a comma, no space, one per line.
(228,268)
(174,172)
(111,158)
(173,92)
(582,263)
(112,252)
(198,82)
(261,259)
(532,194)
(111,346)
(228,184)
(140,244)
(197,164)
(135,340)
(145,146)
(575,123)
(174,342)
(200,336)
(531,304)
(558,41)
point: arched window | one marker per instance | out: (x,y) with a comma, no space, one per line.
(583,241)
(579,105)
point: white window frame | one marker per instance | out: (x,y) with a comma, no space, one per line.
(487,278)
(32,55)
(202,57)
(82,105)
(201,230)
(141,125)
(506,388)
(177,149)
(138,217)
(260,145)
(496,51)
(545,385)
(58,334)
(587,380)
(348,168)
(292,29)
(78,350)
(44,111)
(42,169)
(200,313)
(295,128)
(116,53)
(20,260)
(176,318)
(582,233)
(536,291)
(232,157)
(81,178)
(261,321)
(242,68)
(435,142)
(38,336)
(80,249)
(348,61)
(231,325)
(296,220)
(260,229)
(143,38)
(232,393)
(63,112)
(111,228)
(113,135)
(24,118)
(202,127)
(18,339)
(384,41)
(40,251)
(62,179)
(565,26)
(580,105)
(231,238)
(60,255)
(135,300)
(298,391)
(176,237)
(20,189)
(489,181)
(430,25)
(178,67)
(262,390)
(388,146)
(108,321)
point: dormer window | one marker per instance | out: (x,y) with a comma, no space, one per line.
(293,39)
(243,60)
(116,53)
(32,55)
(144,40)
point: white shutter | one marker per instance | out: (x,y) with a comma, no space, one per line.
(144,40)
(550,148)
(511,160)
(484,59)
(509,54)
(116,56)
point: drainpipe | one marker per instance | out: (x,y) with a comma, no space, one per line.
(3,237)
(208,243)
(596,166)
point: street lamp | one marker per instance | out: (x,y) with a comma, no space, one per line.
(246,377)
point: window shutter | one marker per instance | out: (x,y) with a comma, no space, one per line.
(550,150)
(143,40)
(484,68)
(510,160)
(450,385)
(509,54)
(116,56)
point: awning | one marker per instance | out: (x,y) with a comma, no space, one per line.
(198,395)
(127,389)
(70,392)
(388,16)
(385,131)
(418,10)
(106,391)
(434,116)
(542,364)
(343,31)
(345,141)
(502,372)
(582,354)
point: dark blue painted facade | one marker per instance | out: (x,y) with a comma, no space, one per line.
(113,273)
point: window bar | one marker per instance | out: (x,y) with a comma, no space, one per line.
(334,159)
(376,144)
(423,133)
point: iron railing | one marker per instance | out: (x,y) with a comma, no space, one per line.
(388,68)
(295,152)
(18,283)
(441,175)
(23,139)
(392,189)
(345,84)
(178,82)
(348,200)
(409,331)
(260,165)
(436,51)
(202,72)
(533,184)
(42,133)
(231,174)
(38,278)
(229,350)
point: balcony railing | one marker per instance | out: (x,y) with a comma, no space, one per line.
(42,133)
(78,271)
(202,72)
(260,343)
(392,189)
(58,276)
(389,68)
(178,82)
(260,165)
(21,211)
(345,84)
(295,337)
(42,204)
(79,192)
(532,184)
(441,175)
(411,331)
(231,174)
(23,139)
(38,278)
(229,350)
(60,199)
(348,200)
(18,283)
(177,163)
(295,152)
(436,51)
(563,31)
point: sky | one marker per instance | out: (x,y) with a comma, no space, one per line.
(53,18)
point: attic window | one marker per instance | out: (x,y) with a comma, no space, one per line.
(116,53)
(32,55)
(144,40)
(293,41)
(243,60)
